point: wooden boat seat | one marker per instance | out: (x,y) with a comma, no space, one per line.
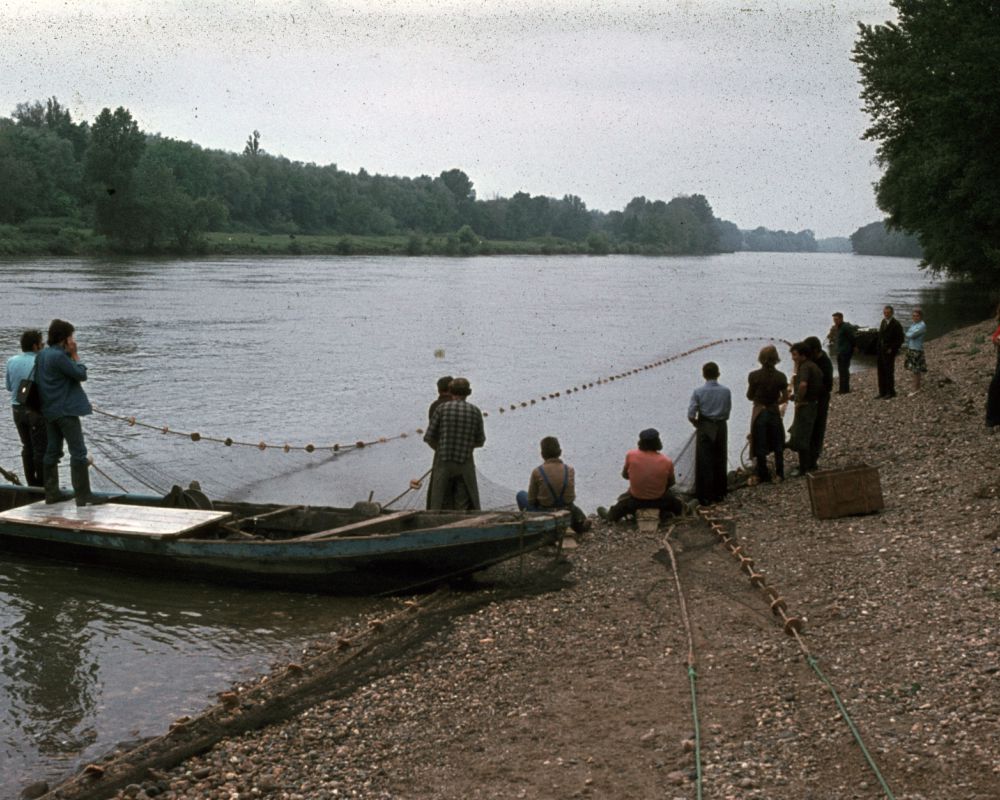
(355,528)
(140,521)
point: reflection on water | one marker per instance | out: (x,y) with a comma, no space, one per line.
(90,659)
(324,350)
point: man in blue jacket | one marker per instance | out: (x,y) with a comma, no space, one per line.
(29,423)
(60,375)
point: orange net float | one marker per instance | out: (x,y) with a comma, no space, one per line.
(793,625)
(287,447)
(262,445)
(757,579)
(778,606)
(359,445)
(310,448)
(131,422)
(164,429)
(228,442)
(195,437)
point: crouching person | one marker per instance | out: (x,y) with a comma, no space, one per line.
(650,474)
(553,486)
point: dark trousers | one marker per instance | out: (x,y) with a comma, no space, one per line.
(454,486)
(993,397)
(819,429)
(711,459)
(628,505)
(886,366)
(800,436)
(844,372)
(769,437)
(66,429)
(31,430)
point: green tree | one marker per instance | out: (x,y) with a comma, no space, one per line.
(116,147)
(930,87)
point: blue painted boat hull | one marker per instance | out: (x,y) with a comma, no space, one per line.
(410,555)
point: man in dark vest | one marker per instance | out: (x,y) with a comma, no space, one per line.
(890,339)
(843,336)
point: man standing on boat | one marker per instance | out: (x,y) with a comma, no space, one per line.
(455,431)
(60,375)
(444,395)
(29,423)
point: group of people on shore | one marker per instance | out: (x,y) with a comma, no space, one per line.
(47,401)
(455,427)
(456,430)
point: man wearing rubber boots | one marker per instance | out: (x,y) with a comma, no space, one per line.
(60,375)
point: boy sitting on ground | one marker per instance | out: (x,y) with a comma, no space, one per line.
(553,486)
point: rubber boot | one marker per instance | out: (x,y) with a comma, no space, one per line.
(80,475)
(50,480)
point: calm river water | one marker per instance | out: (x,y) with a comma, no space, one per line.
(336,350)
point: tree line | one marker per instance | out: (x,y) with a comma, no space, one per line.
(141,192)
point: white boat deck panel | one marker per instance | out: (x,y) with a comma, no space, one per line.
(142,521)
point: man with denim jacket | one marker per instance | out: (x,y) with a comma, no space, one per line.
(60,375)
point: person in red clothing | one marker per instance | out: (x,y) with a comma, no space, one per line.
(650,474)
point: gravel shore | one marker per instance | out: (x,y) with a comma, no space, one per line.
(578,686)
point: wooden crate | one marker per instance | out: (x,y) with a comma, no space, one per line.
(843,492)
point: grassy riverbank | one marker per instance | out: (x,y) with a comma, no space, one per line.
(65,238)
(577,685)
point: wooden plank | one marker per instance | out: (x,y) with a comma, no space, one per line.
(268,514)
(356,527)
(478,522)
(140,521)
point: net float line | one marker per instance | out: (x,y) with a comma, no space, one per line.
(360,444)
(793,627)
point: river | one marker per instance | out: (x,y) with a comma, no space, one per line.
(329,350)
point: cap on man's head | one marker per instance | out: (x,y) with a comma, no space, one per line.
(460,386)
(649,435)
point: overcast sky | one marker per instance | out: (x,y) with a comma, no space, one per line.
(753,103)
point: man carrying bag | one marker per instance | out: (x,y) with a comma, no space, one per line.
(21,378)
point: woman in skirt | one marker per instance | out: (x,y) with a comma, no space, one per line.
(915,361)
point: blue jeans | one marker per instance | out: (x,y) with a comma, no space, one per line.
(70,430)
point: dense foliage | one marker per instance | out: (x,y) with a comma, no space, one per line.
(877,239)
(147,193)
(930,84)
(762,239)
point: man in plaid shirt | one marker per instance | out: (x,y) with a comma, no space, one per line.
(455,431)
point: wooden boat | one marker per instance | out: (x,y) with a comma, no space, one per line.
(337,550)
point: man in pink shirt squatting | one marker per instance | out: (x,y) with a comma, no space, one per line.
(650,474)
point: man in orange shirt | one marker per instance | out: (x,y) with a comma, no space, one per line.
(650,474)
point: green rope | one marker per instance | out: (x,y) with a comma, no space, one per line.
(693,677)
(850,723)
